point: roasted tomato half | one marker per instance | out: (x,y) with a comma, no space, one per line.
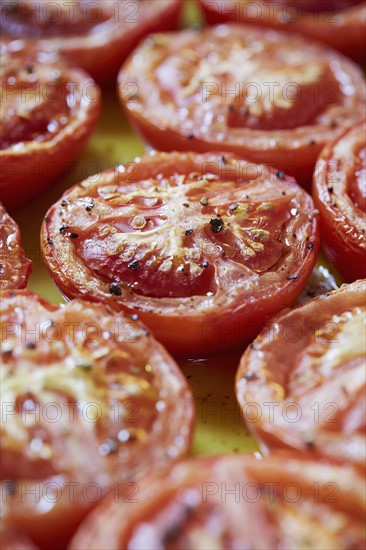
(339,191)
(96,35)
(203,247)
(338,23)
(231,502)
(268,96)
(89,400)
(48,110)
(15,268)
(301,385)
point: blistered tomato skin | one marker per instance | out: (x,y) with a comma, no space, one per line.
(91,400)
(270,97)
(339,191)
(235,501)
(301,385)
(48,112)
(203,247)
(15,268)
(339,24)
(96,36)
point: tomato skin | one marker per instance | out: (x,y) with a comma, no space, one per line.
(221,502)
(342,30)
(184,91)
(340,196)
(15,268)
(214,292)
(79,360)
(309,365)
(101,47)
(29,166)
(13,539)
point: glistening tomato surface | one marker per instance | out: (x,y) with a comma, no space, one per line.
(268,96)
(230,502)
(203,247)
(89,399)
(96,35)
(15,268)
(301,384)
(339,191)
(48,111)
(338,23)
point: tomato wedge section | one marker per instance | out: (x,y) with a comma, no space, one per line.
(339,191)
(48,112)
(338,23)
(268,96)
(96,36)
(203,247)
(15,268)
(301,385)
(231,502)
(89,399)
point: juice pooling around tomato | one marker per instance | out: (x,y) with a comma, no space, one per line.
(202,247)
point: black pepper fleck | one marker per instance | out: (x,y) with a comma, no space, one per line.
(280,175)
(310,246)
(330,189)
(205,264)
(73,235)
(65,202)
(233,207)
(216,225)
(115,289)
(90,206)
(189,232)
(309,442)
(223,159)
(190,136)
(47,219)
(64,228)
(186,204)
(292,277)
(50,242)
(134,266)
(30,345)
